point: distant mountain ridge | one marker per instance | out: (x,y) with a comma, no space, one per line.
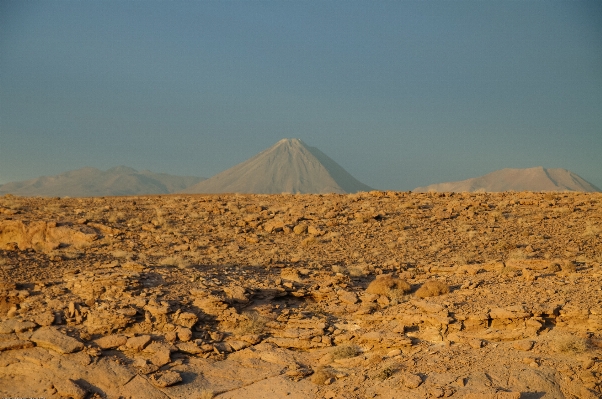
(529,179)
(289,166)
(92,182)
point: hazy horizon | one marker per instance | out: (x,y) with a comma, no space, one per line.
(400,94)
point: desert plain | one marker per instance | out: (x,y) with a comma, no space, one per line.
(367,295)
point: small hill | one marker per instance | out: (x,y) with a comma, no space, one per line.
(530,179)
(92,182)
(289,166)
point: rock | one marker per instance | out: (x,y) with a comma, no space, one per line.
(222,347)
(411,381)
(523,345)
(111,341)
(161,353)
(107,321)
(236,294)
(290,274)
(45,319)
(51,338)
(511,312)
(237,345)
(253,339)
(12,312)
(69,388)
(507,395)
(304,298)
(161,358)
(300,229)
(171,336)
(348,297)
(294,343)
(139,362)
(436,392)
(143,366)
(157,310)
(10,326)
(15,344)
(189,347)
(187,319)
(138,343)
(428,307)
(165,379)
(43,235)
(588,363)
(306,324)
(108,372)
(184,334)
(314,231)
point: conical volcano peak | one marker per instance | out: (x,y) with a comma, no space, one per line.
(289,166)
(290,143)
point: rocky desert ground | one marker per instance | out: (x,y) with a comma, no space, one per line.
(368,295)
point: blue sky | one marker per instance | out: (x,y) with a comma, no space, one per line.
(400,93)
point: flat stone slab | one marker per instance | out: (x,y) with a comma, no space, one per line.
(10,326)
(15,344)
(51,338)
(111,341)
(138,343)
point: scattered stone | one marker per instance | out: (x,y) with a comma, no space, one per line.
(14,344)
(111,341)
(523,345)
(187,319)
(184,334)
(189,347)
(161,353)
(10,326)
(411,381)
(348,297)
(171,336)
(236,294)
(51,338)
(45,319)
(138,343)
(267,309)
(69,388)
(300,229)
(165,379)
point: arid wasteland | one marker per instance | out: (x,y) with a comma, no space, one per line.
(367,295)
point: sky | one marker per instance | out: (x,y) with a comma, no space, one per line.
(400,93)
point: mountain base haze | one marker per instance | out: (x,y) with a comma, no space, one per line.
(530,179)
(92,182)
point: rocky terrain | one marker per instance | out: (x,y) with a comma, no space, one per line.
(367,295)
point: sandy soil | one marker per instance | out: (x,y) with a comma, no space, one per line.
(370,295)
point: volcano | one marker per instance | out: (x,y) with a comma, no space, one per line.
(290,166)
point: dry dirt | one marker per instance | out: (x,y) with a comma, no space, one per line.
(371,295)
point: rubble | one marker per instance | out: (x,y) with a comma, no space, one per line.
(426,295)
